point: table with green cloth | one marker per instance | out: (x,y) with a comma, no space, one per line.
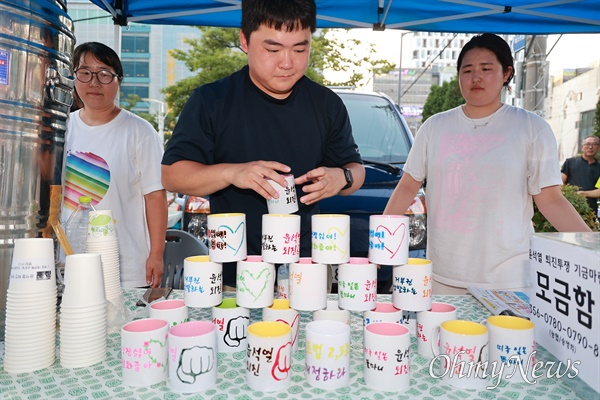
(103,380)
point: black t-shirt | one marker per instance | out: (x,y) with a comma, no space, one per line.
(582,174)
(233,121)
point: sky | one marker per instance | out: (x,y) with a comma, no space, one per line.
(571,51)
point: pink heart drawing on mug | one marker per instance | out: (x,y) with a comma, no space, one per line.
(233,232)
(393,234)
(343,251)
(293,325)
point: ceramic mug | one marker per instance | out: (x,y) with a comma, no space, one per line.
(387,356)
(269,356)
(412,285)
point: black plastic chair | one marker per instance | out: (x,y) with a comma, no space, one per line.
(179,245)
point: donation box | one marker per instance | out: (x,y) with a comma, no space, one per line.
(565,299)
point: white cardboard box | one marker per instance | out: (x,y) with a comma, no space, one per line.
(565,299)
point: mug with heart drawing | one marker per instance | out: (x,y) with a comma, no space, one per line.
(227,237)
(388,239)
(255,283)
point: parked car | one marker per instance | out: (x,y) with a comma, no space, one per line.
(384,140)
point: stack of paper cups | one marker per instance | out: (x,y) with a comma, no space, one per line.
(83,320)
(102,239)
(30,335)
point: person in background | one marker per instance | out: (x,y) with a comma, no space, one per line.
(484,162)
(265,120)
(114,156)
(584,171)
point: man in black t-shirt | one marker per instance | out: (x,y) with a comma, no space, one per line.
(583,171)
(265,120)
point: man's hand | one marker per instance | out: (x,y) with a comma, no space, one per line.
(254,175)
(323,182)
(154,271)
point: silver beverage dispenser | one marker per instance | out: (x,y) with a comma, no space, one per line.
(36,92)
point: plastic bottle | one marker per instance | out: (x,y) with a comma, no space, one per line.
(76,225)
(283,282)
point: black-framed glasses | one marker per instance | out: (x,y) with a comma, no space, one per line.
(104,76)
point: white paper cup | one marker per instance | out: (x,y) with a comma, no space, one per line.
(357,284)
(332,313)
(280,311)
(462,353)
(144,352)
(411,288)
(428,321)
(232,326)
(383,312)
(255,283)
(174,311)
(227,237)
(203,282)
(287,202)
(101,227)
(192,356)
(308,285)
(330,238)
(388,239)
(327,354)
(280,238)
(512,346)
(269,356)
(387,357)
(84,282)
(32,267)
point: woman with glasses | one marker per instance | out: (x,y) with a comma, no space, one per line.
(114,156)
(485,163)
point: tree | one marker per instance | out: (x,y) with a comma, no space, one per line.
(442,98)
(218,53)
(597,119)
(129,104)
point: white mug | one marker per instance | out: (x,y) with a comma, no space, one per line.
(192,356)
(280,238)
(227,237)
(388,239)
(428,321)
(202,282)
(383,312)
(232,326)
(308,285)
(255,283)
(512,347)
(412,285)
(327,359)
(144,352)
(287,202)
(269,356)
(330,238)
(280,311)
(387,356)
(174,311)
(462,352)
(357,284)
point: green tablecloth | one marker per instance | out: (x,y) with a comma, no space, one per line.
(103,380)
